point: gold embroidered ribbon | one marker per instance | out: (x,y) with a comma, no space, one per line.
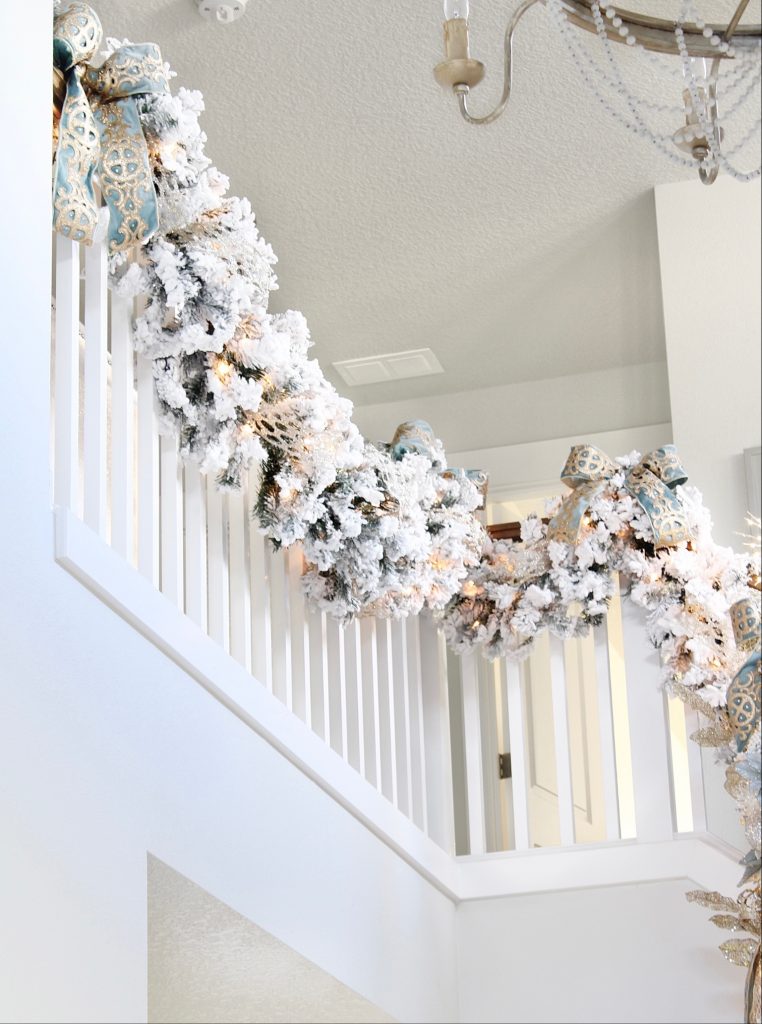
(418,437)
(745,691)
(100,132)
(651,483)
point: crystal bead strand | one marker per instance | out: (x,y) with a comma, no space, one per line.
(571,37)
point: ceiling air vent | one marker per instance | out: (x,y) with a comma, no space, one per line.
(419,362)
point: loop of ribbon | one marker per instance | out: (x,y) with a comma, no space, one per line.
(744,695)
(416,436)
(100,131)
(651,483)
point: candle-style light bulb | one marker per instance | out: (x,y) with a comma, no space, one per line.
(455,9)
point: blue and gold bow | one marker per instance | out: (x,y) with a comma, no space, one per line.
(417,437)
(100,131)
(745,692)
(651,483)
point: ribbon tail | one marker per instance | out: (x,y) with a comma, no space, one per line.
(661,505)
(75,210)
(125,175)
(565,526)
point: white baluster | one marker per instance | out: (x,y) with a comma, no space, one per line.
(66,480)
(171,504)
(280,625)
(195,545)
(561,734)
(695,772)
(403,716)
(300,638)
(240,597)
(649,740)
(473,750)
(606,730)
(439,787)
(218,611)
(259,574)
(418,744)
(148,473)
(372,723)
(122,422)
(518,751)
(387,735)
(95,401)
(355,739)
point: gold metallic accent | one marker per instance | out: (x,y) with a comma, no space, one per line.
(59,92)
(458,69)
(460,72)
(658,34)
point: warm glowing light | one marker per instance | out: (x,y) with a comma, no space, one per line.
(223,369)
(470,589)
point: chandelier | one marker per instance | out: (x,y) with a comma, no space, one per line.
(707,113)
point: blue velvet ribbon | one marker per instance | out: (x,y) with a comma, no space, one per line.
(651,483)
(100,133)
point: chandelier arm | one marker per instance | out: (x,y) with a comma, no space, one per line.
(462,91)
(708,177)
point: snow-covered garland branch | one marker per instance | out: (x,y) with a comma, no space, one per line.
(385,528)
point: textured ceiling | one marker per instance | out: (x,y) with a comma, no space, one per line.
(517,252)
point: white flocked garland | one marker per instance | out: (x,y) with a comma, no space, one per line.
(386,529)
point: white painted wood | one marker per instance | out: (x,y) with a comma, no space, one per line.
(418,743)
(148,472)
(355,707)
(240,595)
(280,629)
(504,810)
(403,713)
(682,809)
(171,502)
(477,835)
(218,602)
(649,739)
(333,684)
(439,791)
(122,421)
(259,575)
(317,625)
(343,697)
(606,731)
(518,752)
(66,477)
(695,772)
(300,638)
(702,858)
(561,734)
(95,425)
(387,733)
(372,724)
(195,577)
(130,595)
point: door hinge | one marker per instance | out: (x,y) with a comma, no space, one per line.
(504,765)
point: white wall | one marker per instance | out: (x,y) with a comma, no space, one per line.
(108,750)
(622,953)
(529,411)
(709,247)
